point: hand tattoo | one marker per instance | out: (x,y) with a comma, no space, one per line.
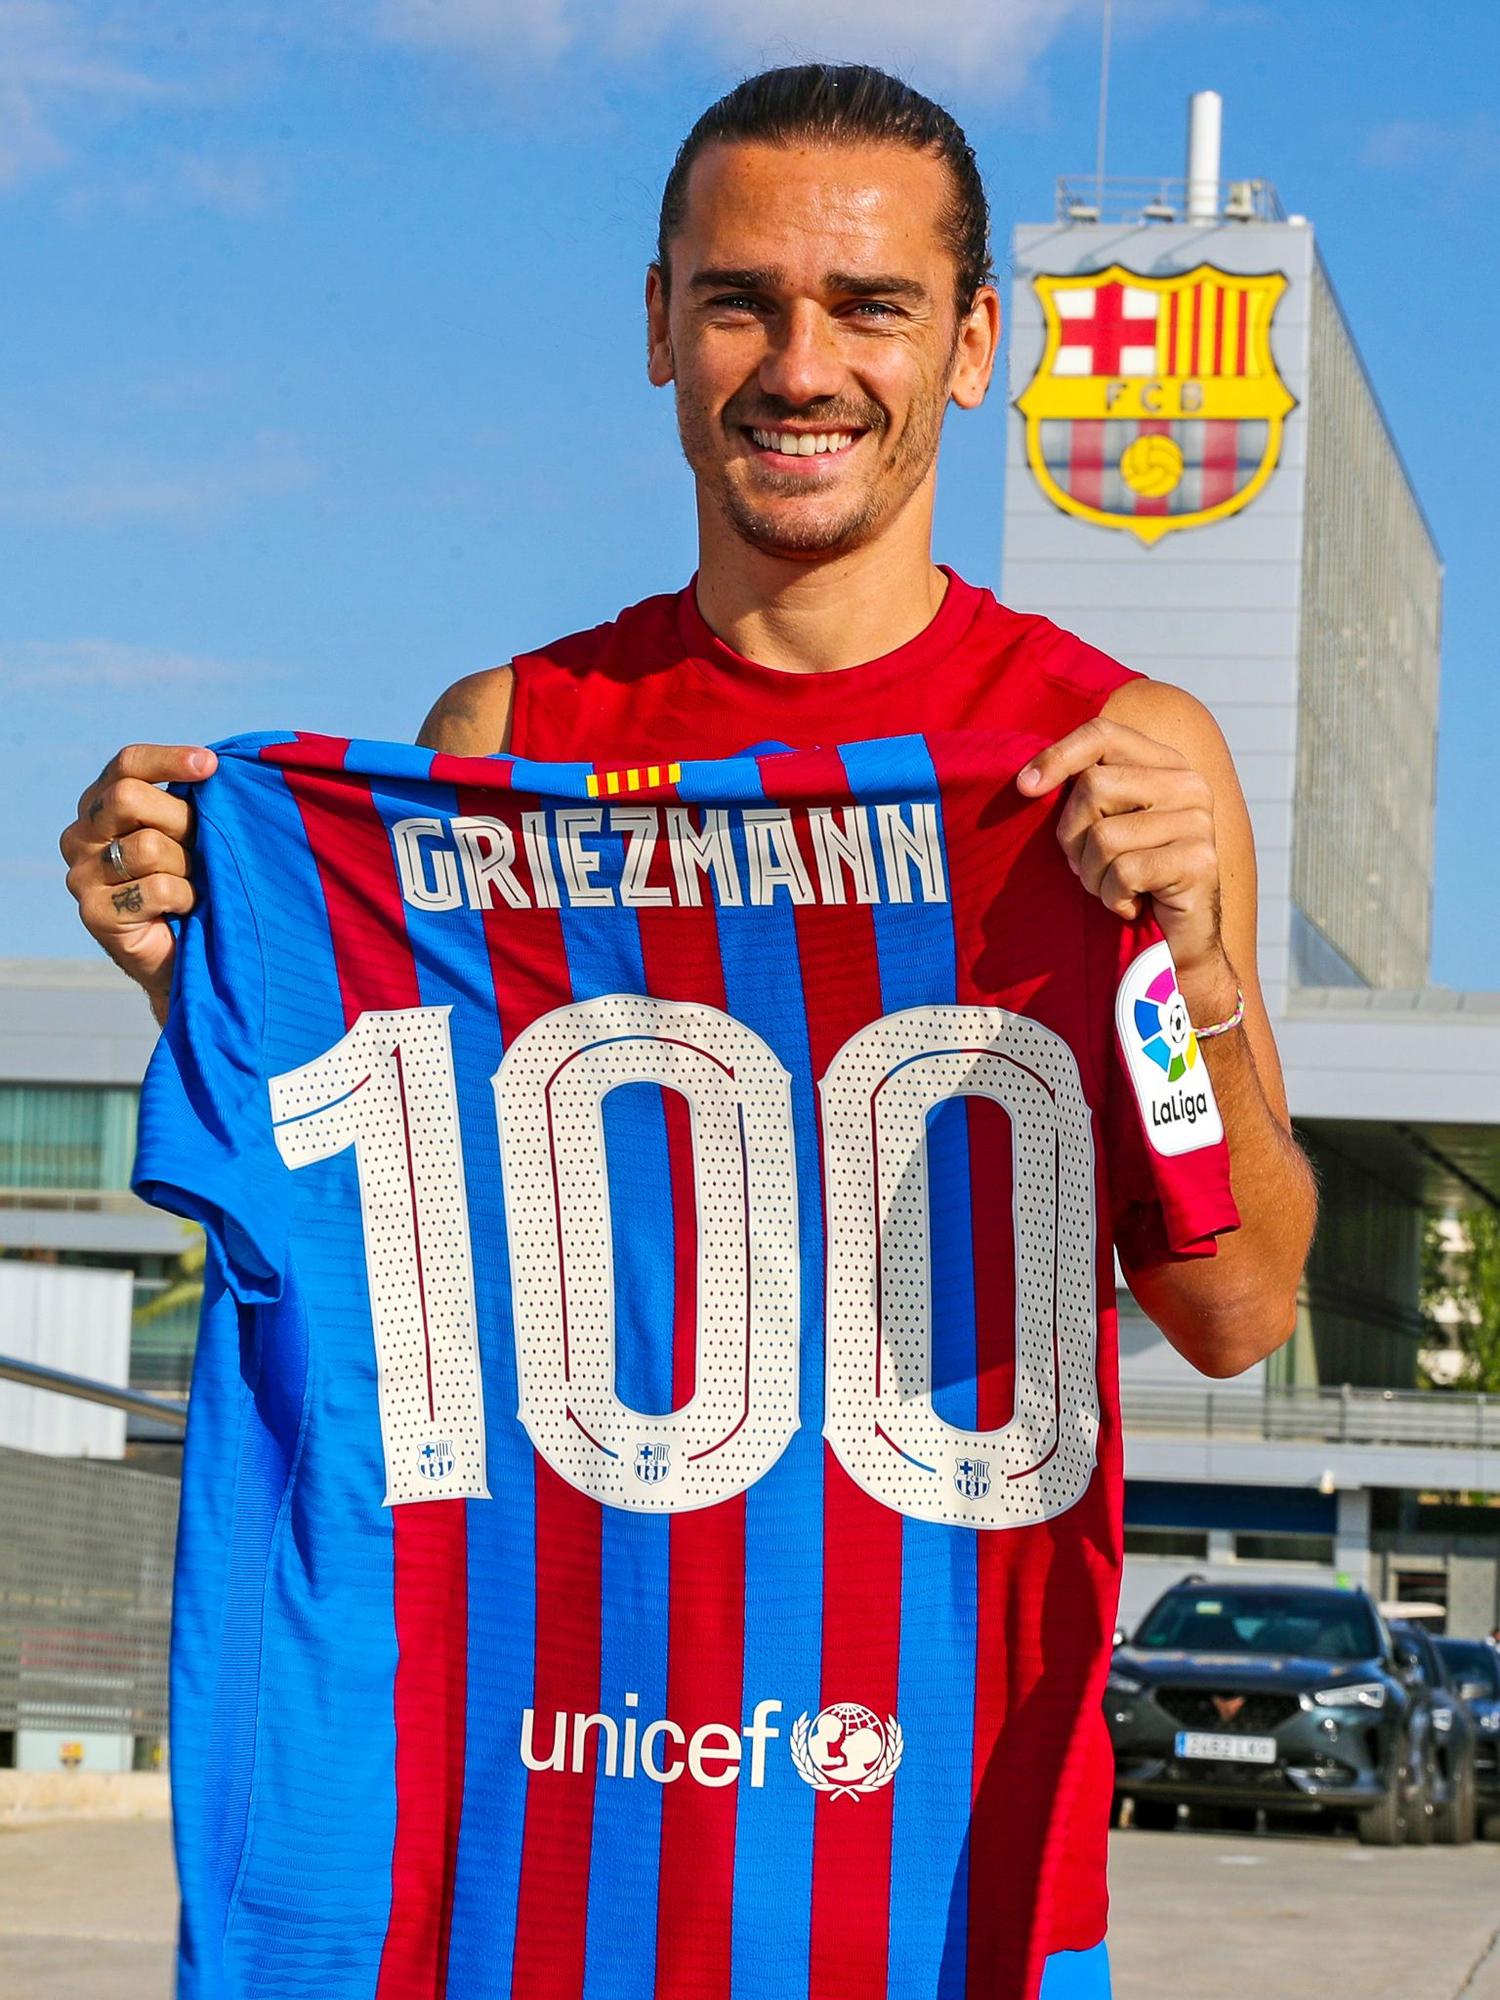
(128,899)
(96,806)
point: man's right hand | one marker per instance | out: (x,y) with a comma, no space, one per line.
(128,916)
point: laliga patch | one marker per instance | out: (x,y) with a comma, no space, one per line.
(1166,1065)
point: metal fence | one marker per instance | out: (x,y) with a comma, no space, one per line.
(1157,198)
(1440,1418)
(85,1594)
(86,1545)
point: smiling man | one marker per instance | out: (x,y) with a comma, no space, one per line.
(819,298)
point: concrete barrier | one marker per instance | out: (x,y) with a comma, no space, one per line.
(31,1795)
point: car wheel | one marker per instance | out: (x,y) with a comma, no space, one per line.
(1154,1815)
(1421,1813)
(1490,1830)
(1116,1808)
(1453,1821)
(1383,1825)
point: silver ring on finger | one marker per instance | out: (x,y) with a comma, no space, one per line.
(115,855)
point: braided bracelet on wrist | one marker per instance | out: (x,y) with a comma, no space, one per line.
(1234,1020)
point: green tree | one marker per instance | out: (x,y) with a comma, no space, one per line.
(1461,1286)
(183,1289)
(163,1331)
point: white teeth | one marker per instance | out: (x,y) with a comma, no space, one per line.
(802,444)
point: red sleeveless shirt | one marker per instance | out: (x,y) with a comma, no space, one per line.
(656,684)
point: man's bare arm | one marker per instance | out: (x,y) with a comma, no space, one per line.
(1156,814)
(472,719)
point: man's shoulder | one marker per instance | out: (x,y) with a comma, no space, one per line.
(1164,711)
(472,718)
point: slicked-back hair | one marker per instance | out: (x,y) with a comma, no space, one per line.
(843,104)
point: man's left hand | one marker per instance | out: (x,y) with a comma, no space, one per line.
(1137,826)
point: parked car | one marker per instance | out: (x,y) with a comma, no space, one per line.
(1450,1813)
(1474,1669)
(1292,1697)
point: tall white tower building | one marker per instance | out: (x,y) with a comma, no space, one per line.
(1200,480)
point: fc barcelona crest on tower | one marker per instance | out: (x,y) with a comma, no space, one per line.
(1156,404)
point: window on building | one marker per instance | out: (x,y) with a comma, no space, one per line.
(1284,1548)
(66,1137)
(1426,1590)
(1189,1542)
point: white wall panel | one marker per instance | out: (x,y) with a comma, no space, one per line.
(78,1320)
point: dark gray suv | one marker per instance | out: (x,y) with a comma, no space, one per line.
(1448,1774)
(1474,1669)
(1291,1697)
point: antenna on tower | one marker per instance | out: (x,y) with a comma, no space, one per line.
(1103,132)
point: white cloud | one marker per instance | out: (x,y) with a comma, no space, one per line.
(52,65)
(109,664)
(244,184)
(1465,152)
(509,30)
(70,70)
(994,43)
(38,489)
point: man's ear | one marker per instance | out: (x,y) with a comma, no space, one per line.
(976,349)
(659,366)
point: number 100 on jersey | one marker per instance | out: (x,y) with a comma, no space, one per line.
(387,1090)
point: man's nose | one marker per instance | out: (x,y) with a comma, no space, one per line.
(803,362)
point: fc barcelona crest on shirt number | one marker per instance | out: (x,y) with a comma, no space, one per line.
(1156,404)
(653,1462)
(972,1477)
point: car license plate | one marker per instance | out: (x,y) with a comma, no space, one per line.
(1226,1749)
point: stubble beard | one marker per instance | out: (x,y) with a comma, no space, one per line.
(814,535)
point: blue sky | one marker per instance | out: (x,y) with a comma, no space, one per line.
(321,343)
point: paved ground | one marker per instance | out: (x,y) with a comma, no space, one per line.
(1209,1916)
(86,1912)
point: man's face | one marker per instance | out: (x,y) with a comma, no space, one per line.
(813,339)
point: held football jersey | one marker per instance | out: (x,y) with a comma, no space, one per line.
(651,1516)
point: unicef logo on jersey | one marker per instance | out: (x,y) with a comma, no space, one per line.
(846,1749)
(972,1477)
(435,1459)
(652,1463)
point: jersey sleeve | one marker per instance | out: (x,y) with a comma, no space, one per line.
(1167,1158)
(205,1148)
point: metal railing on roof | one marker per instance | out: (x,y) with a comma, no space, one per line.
(86,1201)
(1444,1419)
(115,1396)
(1085,198)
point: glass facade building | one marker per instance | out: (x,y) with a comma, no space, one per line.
(1368,658)
(66,1138)
(74,1043)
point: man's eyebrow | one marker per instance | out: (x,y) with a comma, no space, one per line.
(771,278)
(885,285)
(755,278)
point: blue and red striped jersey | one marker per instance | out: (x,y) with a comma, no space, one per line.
(651,1515)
